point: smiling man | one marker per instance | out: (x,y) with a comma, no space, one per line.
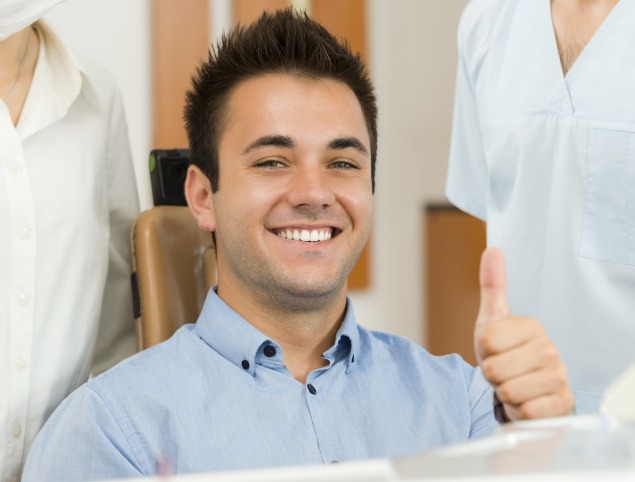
(276,371)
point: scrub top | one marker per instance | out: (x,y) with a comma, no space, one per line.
(548,161)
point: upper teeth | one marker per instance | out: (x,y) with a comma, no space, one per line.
(305,234)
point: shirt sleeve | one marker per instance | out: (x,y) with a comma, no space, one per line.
(81,441)
(467,178)
(116,336)
(481,395)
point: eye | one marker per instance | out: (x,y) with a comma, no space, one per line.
(342,164)
(270,164)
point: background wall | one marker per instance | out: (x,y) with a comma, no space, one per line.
(412,59)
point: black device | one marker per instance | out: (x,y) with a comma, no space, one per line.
(168,169)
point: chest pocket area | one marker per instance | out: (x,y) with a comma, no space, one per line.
(608,233)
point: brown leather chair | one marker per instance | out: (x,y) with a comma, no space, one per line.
(174,265)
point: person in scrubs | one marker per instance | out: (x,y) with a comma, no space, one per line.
(543,150)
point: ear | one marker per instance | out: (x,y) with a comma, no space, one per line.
(198,192)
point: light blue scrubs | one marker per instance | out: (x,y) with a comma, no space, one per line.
(549,162)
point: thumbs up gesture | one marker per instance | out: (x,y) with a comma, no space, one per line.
(514,353)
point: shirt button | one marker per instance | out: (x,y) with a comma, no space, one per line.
(20,364)
(16,431)
(15,169)
(25,233)
(23,299)
(312,389)
(270,351)
(245,364)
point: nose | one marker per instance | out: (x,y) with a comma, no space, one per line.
(310,189)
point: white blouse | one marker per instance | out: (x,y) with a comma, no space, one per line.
(67,200)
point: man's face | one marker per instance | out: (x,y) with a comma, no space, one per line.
(294,205)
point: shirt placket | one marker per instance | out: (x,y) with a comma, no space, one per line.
(22,295)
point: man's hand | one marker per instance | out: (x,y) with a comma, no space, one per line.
(514,353)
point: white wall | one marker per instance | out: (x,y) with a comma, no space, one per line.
(413,58)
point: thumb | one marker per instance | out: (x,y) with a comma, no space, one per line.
(493,281)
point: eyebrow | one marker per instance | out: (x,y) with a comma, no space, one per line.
(274,141)
(348,142)
(287,142)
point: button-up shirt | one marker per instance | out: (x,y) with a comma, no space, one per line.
(67,200)
(217,396)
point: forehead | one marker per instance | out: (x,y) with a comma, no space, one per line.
(293,105)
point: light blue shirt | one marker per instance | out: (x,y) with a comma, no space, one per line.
(548,160)
(217,396)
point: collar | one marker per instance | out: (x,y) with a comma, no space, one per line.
(234,338)
(57,82)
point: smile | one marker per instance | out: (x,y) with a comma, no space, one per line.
(312,235)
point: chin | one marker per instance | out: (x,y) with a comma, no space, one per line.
(309,296)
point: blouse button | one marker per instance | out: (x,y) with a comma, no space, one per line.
(312,389)
(15,169)
(25,233)
(16,431)
(23,299)
(270,351)
(245,364)
(20,364)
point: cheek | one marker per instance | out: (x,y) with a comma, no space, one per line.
(243,206)
(358,201)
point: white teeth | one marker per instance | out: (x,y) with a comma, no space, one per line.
(314,235)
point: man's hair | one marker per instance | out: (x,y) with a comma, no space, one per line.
(284,42)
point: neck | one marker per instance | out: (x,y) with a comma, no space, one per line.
(18,56)
(12,55)
(575,22)
(600,7)
(303,334)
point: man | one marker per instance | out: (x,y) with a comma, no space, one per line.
(543,150)
(282,128)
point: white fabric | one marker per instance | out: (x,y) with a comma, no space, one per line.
(16,15)
(67,201)
(618,400)
(549,162)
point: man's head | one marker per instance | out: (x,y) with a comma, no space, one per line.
(282,124)
(282,42)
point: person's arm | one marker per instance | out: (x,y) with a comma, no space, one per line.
(515,354)
(467,177)
(81,441)
(116,337)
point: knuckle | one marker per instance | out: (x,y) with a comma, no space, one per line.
(486,340)
(527,411)
(506,394)
(550,353)
(567,402)
(490,370)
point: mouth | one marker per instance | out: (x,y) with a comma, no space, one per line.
(307,235)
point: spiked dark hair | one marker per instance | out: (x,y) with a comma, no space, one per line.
(286,42)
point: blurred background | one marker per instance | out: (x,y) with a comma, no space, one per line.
(418,275)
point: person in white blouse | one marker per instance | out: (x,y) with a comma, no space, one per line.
(67,200)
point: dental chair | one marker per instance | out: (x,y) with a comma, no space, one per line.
(174,265)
